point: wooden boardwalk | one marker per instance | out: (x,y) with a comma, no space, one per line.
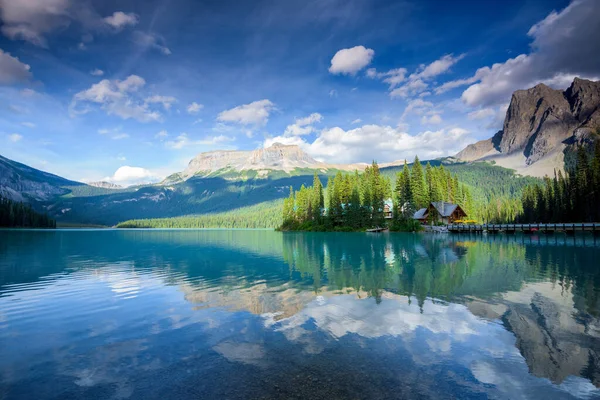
(527,228)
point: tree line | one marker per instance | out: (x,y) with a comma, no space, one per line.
(15,214)
(356,201)
(263,215)
(570,197)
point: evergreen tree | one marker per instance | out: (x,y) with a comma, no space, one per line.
(417,185)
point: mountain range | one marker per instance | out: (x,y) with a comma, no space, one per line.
(541,128)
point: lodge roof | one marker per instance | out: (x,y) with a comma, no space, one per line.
(445,209)
(420,214)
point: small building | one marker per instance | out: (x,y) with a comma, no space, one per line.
(388,206)
(421,215)
(440,211)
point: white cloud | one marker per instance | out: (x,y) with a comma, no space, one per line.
(434,119)
(30,20)
(14,137)
(33,20)
(194,108)
(127,175)
(384,143)
(151,41)
(114,133)
(417,107)
(115,97)
(416,83)
(166,101)
(439,67)
(564,45)
(161,135)
(393,77)
(356,121)
(255,113)
(333,93)
(120,19)
(303,126)
(12,70)
(28,124)
(97,72)
(183,141)
(483,113)
(350,61)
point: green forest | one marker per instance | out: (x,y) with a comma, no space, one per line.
(356,201)
(15,214)
(571,198)
(263,215)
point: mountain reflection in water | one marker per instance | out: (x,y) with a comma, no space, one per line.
(253,314)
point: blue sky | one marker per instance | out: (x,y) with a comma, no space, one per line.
(88,88)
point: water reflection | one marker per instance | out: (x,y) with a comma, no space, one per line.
(108,313)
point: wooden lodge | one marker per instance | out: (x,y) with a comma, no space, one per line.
(440,211)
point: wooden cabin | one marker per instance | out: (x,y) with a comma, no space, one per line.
(440,211)
(387,209)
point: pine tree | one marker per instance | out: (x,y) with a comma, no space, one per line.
(417,184)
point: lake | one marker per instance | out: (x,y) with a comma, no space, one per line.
(243,314)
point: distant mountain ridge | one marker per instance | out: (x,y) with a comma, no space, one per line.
(541,128)
(105,185)
(276,157)
(20,182)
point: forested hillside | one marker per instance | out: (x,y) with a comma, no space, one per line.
(571,198)
(15,214)
(263,215)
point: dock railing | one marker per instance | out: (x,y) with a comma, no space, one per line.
(527,228)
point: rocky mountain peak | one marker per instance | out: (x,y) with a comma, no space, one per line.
(539,125)
(275,157)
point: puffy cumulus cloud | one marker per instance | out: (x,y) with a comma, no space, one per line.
(384,143)
(401,85)
(33,20)
(151,41)
(166,101)
(303,126)
(120,98)
(255,113)
(119,19)
(183,141)
(564,45)
(30,20)
(12,70)
(350,61)
(97,72)
(194,108)
(127,176)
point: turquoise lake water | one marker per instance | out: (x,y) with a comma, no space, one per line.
(236,314)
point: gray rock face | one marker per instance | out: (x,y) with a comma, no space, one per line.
(277,157)
(554,346)
(105,185)
(22,183)
(541,119)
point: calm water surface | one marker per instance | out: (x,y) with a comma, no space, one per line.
(258,314)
